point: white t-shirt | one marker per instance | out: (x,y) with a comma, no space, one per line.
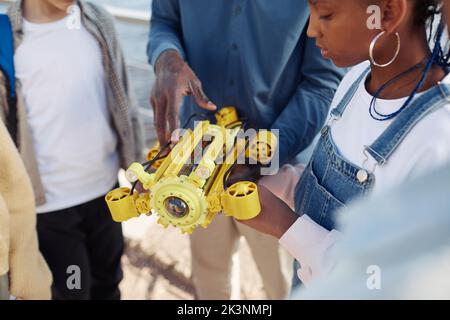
(62,77)
(425,148)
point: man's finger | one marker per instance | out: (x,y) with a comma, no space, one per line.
(159,119)
(173,105)
(200,97)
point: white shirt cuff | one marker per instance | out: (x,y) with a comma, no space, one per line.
(309,243)
(301,236)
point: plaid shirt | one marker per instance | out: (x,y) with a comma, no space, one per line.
(101,25)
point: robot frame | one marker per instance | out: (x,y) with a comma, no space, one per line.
(187,195)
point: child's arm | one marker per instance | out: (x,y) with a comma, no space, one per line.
(275,218)
(304,239)
(29,276)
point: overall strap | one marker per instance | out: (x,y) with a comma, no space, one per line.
(391,138)
(340,108)
(7,68)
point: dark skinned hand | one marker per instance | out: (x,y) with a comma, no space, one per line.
(174,80)
(275,217)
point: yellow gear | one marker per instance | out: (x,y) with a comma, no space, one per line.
(262,147)
(179,203)
(152,153)
(143,204)
(226,116)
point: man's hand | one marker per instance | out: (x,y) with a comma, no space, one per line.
(174,79)
(275,217)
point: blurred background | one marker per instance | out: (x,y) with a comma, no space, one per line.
(157,260)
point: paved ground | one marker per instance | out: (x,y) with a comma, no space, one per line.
(157,265)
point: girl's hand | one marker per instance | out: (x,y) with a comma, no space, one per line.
(275,217)
(244,173)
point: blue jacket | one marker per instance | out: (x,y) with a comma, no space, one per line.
(253,55)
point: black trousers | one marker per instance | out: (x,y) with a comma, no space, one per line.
(83,248)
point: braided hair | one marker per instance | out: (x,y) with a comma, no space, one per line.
(425,12)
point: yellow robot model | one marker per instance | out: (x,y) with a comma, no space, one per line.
(186,187)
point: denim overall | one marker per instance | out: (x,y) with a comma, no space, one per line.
(330,182)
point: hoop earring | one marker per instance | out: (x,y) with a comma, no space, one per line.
(372,47)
